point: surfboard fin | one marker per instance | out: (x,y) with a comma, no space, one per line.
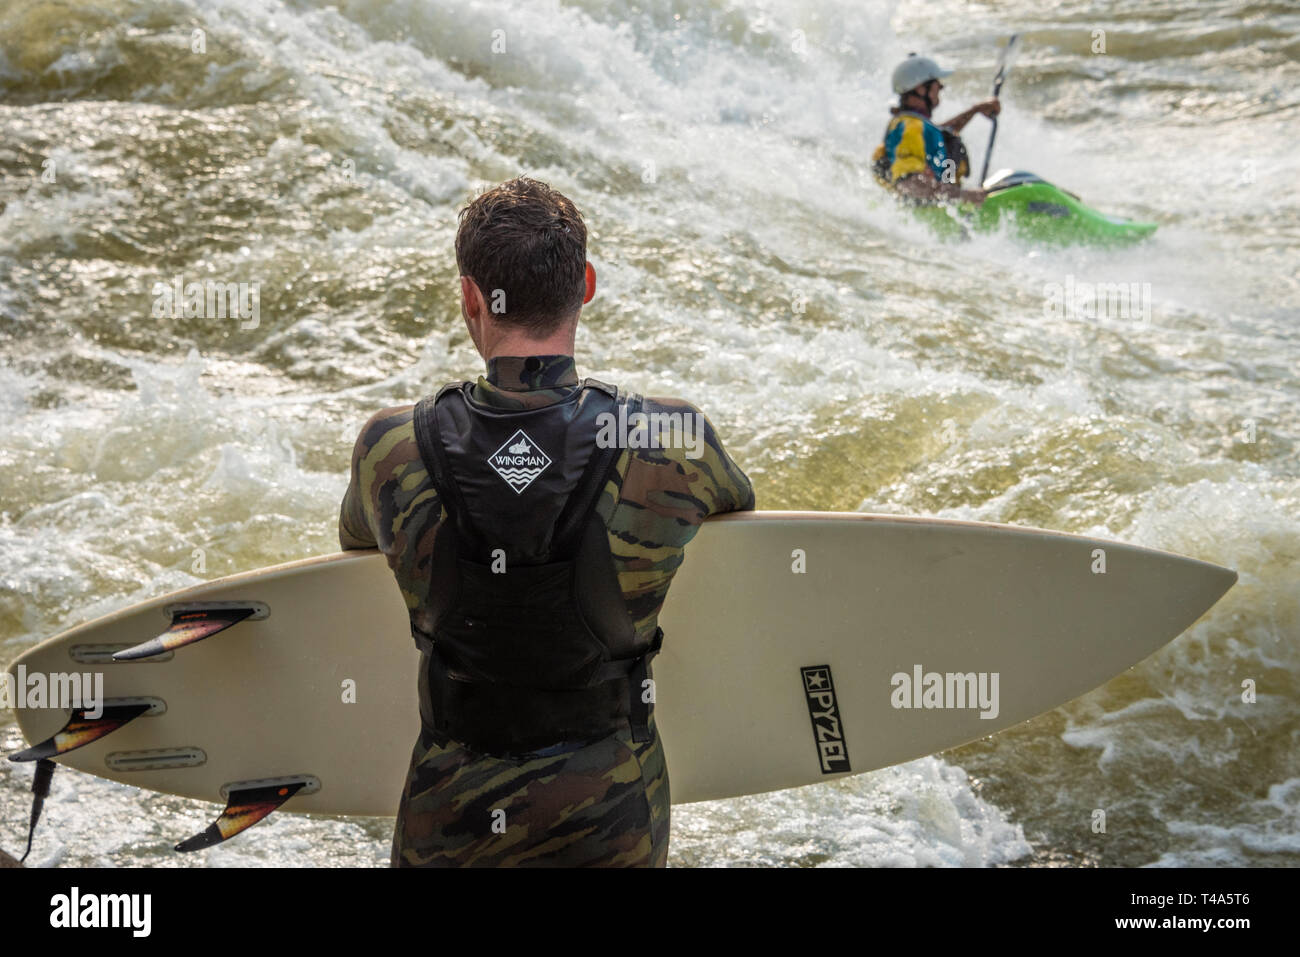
(244,808)
(80,731)
(188,626)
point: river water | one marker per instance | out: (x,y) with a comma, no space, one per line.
(719,151)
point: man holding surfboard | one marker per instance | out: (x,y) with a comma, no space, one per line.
(534,523)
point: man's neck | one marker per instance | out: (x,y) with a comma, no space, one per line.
(914,104)
(515,343)
(530,347)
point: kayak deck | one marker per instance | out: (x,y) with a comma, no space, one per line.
(1047,214)
(1034,210)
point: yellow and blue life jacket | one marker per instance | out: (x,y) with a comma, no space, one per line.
(912,144)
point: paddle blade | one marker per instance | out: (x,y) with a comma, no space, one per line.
(1006,59)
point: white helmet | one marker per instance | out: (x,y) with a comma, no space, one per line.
(914,71)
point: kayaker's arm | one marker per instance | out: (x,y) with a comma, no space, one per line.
(989,108)
(924,186)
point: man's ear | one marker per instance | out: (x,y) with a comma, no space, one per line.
(591,284)
(473,310)
(471,299)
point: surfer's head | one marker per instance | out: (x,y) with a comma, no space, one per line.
(522,253)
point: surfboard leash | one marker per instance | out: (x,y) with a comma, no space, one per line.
(41,790)
(79,731)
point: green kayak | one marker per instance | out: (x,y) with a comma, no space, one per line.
(1036,210)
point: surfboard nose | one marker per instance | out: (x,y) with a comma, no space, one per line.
(1184,589)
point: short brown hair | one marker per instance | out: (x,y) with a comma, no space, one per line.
(525,246)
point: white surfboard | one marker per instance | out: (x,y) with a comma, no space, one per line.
(799,646)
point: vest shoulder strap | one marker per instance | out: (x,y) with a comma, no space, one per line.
(428,438)
(582,502)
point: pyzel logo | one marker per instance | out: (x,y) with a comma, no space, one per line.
(519,461)
(832,749)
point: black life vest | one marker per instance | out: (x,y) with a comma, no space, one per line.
(532,644)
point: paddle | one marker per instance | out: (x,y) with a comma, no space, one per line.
(1004,63)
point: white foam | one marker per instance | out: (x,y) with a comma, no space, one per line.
(920,814)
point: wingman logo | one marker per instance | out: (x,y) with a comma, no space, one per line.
(828,734)
(519,461)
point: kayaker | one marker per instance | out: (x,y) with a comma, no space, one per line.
(534,555)
(920,160)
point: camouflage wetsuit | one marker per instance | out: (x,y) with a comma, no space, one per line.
(606,803)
